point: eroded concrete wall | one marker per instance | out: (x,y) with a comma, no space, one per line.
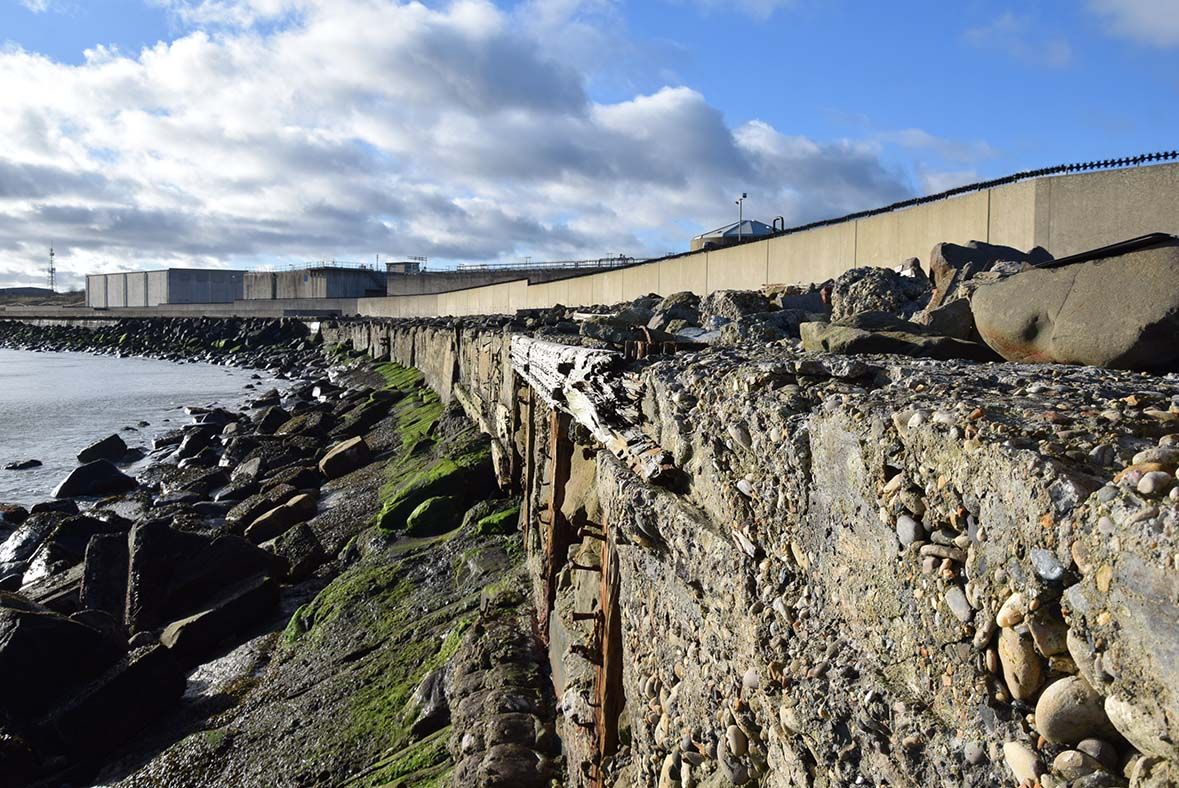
(828,593)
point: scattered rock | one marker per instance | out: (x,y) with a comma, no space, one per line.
(111,448)
(343,458)
(95,478)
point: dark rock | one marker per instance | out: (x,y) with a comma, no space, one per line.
(104,575)
(95,478)
(58,592)
(279,520)
(884,333)
(253,507)
(66,545)
(23,465)
(68,507)
(204,575)
(155,551)
(247,471)
(301,477)
(168,439)
(44,656)
(204,483)
(24,541)
(198,636)
(110,448)
(196,439)
(345,457)
(1119,311)
(302,551)
(12,515)
(118,704)
(270,419)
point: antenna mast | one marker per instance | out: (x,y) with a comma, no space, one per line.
(52,272)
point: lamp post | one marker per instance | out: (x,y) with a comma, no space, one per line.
(740,215)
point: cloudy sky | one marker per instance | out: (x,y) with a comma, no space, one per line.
(235,133)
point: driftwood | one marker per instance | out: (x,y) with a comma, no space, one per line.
(587,383)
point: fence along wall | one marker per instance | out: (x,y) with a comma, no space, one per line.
(1064,214)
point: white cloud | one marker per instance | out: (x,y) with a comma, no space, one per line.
(1154,22)
(342,128)
(953,150)
(1015,34)
(759,9)
(937,181)
(37,6)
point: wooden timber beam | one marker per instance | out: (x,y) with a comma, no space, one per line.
(587,384)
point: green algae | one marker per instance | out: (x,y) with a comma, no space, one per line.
(501,523)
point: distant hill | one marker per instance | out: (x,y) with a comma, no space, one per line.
(40,296)
(25,291)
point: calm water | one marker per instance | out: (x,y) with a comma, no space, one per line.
(53,405)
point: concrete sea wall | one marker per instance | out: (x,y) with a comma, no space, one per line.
(896,570)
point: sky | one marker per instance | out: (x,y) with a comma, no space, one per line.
(141,134)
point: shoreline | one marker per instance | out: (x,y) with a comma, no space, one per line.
(226,569)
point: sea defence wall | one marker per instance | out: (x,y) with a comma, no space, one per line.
(1065,214)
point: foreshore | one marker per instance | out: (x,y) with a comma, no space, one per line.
(258,551)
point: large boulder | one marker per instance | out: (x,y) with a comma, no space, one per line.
(109,448)
(43,655)
(884,333)
(249,510)
(343,458)
(1116,307)
(95,478)
(683,306)
(119,704)
(732,304)
(871,289)
(197,636)
(281,519)
(302,551)
(104,575)
(951,265)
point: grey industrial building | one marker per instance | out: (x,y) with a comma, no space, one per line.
(159,288)
(314,282)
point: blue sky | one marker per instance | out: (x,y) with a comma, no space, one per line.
(143,133)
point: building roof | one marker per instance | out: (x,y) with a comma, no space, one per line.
(750,228)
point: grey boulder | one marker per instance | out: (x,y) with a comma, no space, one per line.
(1116,307)
(884,333)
